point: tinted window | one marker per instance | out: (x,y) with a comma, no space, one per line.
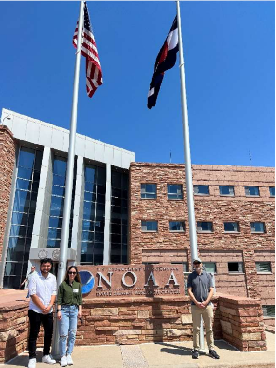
(227,190)
(263,267)
(149,225)
(235,267)
(176,226)
(175,191)
(201,189)
(148,191)
(257,227)
(252,191)
(231,226)
(204,226)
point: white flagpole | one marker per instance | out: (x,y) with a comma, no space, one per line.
(187,155)
(69,174)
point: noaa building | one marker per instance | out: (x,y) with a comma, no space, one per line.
(34,157)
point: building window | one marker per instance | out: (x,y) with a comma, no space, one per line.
(119,216)
(210,267)
(269,311)
(24,205)
(257,227)
(231,227)
(263,267)
(226,190)
(149,226)
(92,243)
(252,191)
(175,191)
(201,189)
(177,226)
(204,227)
(272,191)
(148,191)
(235,267)
(57,203)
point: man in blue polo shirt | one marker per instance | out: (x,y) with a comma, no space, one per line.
(200,291)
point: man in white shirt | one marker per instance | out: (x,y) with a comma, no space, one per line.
(42,290)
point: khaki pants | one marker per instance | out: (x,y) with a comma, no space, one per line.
(207,315)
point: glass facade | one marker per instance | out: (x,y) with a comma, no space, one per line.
(27,182)
(57,203)
(119,217)
(92,243)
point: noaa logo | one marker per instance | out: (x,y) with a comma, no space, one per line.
(87,281)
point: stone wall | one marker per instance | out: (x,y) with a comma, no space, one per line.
(13,331)
(127,321)
(7,159)
(237,320)
(242,323)
(219,247)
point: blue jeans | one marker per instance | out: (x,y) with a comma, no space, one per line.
(68,328)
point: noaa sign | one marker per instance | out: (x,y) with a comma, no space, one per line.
(132,280)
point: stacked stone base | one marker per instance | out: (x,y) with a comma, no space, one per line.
(238,321)
(242,323)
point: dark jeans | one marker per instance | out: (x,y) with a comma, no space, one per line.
(35,321)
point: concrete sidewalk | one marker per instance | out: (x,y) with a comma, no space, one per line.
(161,355)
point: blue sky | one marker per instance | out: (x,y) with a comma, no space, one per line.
(229,51)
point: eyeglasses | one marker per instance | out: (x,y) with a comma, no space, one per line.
(72,273)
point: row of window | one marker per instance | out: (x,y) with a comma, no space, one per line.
(202,226)
(233,267)
(175,191)
(237,267)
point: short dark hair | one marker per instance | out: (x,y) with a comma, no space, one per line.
(46,260)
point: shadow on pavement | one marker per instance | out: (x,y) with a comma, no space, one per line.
(182,350)
(223,345)
(175,349)
(22,360)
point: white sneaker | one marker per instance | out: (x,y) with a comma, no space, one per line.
(69,360)
(63,361)
(32,363)
(48,359)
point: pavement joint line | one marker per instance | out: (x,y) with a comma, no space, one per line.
(133,357)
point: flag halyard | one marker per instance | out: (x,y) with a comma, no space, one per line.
(90,52)
(165,60)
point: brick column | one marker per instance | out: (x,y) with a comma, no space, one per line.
(251,277)
(7,159)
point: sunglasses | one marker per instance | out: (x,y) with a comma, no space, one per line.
(72,273)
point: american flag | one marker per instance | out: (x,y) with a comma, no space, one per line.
(90,52)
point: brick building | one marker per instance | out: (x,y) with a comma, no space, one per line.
(234,210)
(126,212)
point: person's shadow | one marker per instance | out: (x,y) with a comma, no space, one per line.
(175,349)
(22,360)
(182,350)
